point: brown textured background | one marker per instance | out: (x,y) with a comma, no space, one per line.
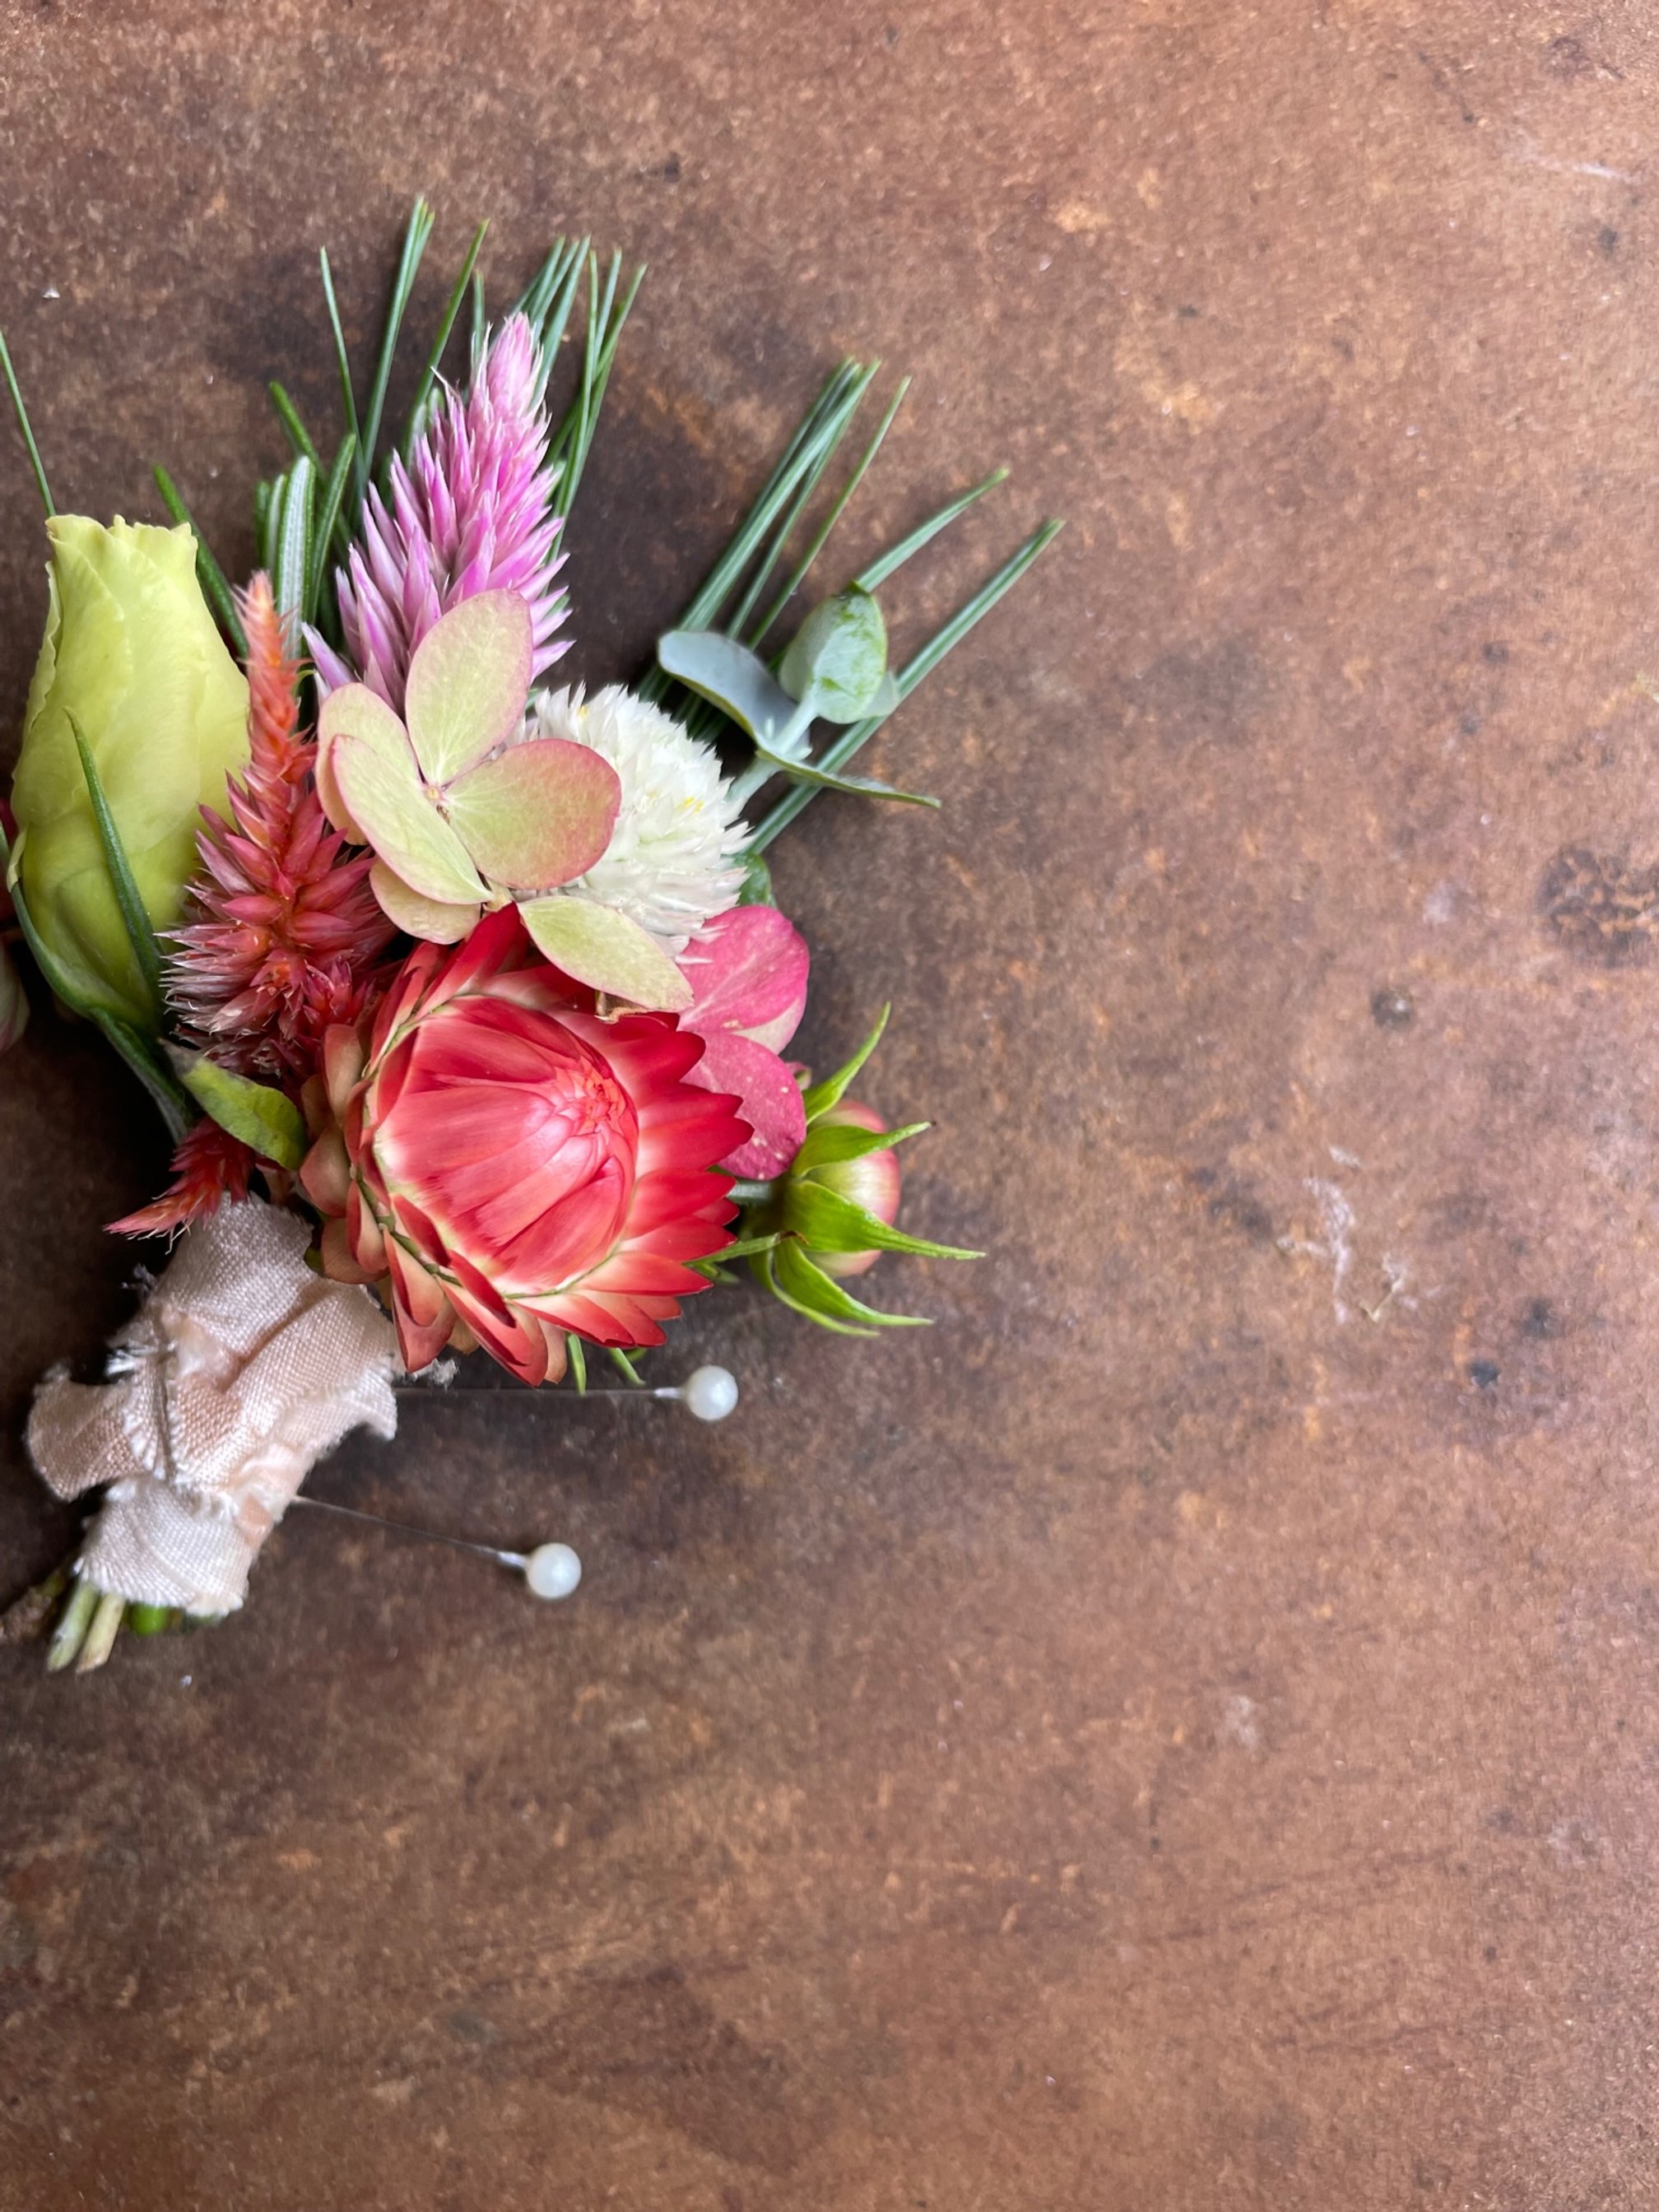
(1181,1733)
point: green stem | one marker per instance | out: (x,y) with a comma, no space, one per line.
(22,415)
(825,423)
(70,1632)
(754,1194)
(341,362)
(403,285)
(101,1637)
(210,574)
(786,743)
(757,636)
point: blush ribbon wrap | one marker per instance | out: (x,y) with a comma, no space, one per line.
(241,1369)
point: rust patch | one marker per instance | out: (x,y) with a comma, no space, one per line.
(1600,907)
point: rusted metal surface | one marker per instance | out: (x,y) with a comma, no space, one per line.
(1181,1733)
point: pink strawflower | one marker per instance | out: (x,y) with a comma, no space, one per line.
(283,937)
(511,1165)
(469,514)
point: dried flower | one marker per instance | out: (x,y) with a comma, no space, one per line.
(514,1167)
(466,813)
(749,974)
(210,1167)
(671,864)
(283,935)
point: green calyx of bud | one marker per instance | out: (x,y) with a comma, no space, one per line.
(835,1211)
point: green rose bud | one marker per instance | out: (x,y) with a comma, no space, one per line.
(131,656)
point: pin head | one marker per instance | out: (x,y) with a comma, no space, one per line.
(552,1571)
(710,1392)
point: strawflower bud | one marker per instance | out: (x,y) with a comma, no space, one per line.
(873,1182)
(132,654)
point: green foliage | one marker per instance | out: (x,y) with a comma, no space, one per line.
(838,657)
(265,1120)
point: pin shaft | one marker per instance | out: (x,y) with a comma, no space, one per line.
(412,1529)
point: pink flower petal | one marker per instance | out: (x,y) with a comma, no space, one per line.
(748,971)
(767,1097)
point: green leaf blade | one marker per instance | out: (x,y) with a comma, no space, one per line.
(826,1221)
(134,916)
(823,1296)
(821,1096)
(267,1122)
(829,1143)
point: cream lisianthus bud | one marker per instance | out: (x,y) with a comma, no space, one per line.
(132,659)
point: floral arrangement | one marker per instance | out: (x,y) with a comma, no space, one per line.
(463,994)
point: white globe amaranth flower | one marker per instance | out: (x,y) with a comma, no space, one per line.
(672,862)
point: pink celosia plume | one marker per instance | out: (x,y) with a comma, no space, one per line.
(283,936)
(469,514)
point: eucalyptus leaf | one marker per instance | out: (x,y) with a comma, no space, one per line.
(267,1122)
(735,680)
(838,657)
(823,779)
